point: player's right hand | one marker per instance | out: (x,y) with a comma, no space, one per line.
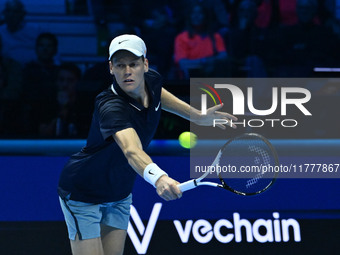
(167,188)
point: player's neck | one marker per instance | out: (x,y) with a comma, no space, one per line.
(141,95)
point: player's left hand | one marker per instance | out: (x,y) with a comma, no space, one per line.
(212,114)
(167,188)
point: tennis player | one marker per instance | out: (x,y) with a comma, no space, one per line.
(95,185)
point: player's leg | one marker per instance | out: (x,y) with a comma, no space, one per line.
(87,247)
(114,225)
(113,240)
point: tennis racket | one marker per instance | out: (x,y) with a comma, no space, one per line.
(250,160)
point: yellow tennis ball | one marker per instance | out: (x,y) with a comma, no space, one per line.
(187,140)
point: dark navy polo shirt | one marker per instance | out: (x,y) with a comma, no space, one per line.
(100,172)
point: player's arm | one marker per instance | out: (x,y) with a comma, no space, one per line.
(130,144)
(177,106)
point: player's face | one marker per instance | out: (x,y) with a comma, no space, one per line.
(128,70)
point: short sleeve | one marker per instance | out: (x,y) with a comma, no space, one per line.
(113,117)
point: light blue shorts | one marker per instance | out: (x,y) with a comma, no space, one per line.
(84,219)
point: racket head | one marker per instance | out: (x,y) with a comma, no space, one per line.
(251,151)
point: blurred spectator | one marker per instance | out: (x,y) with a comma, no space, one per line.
(270,12)
(62,121)
(264,11)
(246,42)
(18,36)
(306,45)
(159,32)
(39,81)
(40,74)
(112,15)
(334,25)
(10,92)
(284,12)
(95,79)
(199,51)
(217,8)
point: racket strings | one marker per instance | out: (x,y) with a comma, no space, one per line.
(261,152)
(251,152)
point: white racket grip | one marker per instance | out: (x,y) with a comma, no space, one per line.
(188,185)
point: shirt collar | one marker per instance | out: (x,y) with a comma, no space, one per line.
(118,91)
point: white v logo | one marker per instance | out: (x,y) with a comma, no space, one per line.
(142,246)
(156,108)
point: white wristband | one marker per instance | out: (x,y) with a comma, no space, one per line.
(152,173)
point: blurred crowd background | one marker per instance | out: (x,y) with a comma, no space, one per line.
(53,56)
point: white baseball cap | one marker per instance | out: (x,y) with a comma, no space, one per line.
(131,43)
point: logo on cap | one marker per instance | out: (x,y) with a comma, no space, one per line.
(122,41)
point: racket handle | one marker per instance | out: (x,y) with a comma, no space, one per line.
(188,185)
